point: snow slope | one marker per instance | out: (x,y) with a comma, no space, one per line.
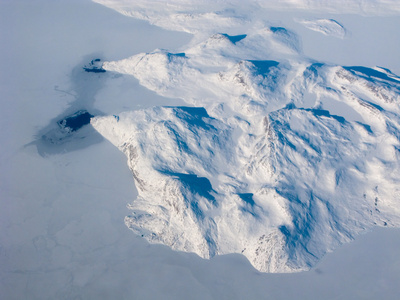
(256,164)
(325,26)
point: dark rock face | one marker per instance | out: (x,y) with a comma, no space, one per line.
(95,66)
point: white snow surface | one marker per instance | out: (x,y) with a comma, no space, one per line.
(256,163)
(325,26)
(196,16)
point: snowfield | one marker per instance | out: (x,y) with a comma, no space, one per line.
(261,135)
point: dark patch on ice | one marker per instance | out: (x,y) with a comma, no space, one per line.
(234,38)
(75,121)
(94,70)
(71,134)
(71,130)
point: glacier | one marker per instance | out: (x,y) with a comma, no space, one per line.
(259,161)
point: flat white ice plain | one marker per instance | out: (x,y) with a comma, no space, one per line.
(62,234)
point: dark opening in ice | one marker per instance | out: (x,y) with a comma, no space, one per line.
(75,121)
(94,70)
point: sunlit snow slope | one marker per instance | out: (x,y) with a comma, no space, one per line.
(277,156)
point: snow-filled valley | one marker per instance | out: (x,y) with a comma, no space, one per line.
(246,132)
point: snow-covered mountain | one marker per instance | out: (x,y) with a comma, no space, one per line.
(64,188)
(276,156)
